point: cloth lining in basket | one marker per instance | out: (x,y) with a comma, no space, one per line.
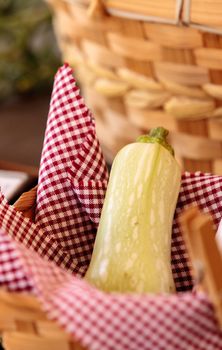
(179,321)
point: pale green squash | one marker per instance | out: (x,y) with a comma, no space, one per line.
(132,251)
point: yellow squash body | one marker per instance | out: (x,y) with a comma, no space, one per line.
(132,251)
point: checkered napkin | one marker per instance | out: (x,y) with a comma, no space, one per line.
(12,272)
(116,321)
(72,183)
(73,174)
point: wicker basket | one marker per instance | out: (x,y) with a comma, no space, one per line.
(148,63)
(23,324)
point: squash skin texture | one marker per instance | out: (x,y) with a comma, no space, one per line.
(132,250)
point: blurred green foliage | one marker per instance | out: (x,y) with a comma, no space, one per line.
(28,52)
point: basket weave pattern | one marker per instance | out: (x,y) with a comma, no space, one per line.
(25,326)
(87,314)
(23,323)
(137,74)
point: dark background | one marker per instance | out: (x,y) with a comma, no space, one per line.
(29,58)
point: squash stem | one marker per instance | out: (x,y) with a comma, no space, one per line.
(157,135)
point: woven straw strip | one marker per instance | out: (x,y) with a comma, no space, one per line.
(196,147)
(83,19)
(182,74)
(117,122)
(139,81)
(96,9)
(111,88)
(178,89)
(24,325)
(26,203)
(25,341)
(20,301)
(214,90)
(85,75)
(189,108)
(138,49)
(217,113)
(100,54)
(71,54)
(167,36)
(146,9)
(146,99)
(209,15)
(209,58)
(102,72)
(148,119)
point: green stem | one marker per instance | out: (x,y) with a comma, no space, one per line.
(157,135)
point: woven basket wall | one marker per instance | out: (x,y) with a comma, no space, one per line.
(149,63)
(23,324)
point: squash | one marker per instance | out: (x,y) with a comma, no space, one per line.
(132,250)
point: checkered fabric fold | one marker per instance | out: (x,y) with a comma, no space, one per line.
(72,184)
(116,321)
(12,272)
(205,191)
(32,236)
(68,204)
(90,192)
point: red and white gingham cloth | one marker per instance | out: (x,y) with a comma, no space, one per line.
(32,236)
(12,272)
(72,183)
(73,174)
(116,321)
(73,180)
